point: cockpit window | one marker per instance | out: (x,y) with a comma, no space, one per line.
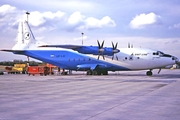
(161,54)
(158,53)
(166,55)
(155,53)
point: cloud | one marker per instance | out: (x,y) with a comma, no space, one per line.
(5,9)
(10,16)
(143,20)
(38,19)
(93,23)
(175,26)
(77,21)
(75,18)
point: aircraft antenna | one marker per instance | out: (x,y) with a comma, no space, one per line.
(27,13)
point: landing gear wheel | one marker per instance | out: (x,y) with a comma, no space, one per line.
(89,72)
(94,72)
(105,72)
(149,73)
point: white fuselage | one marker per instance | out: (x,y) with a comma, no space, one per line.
(138,59)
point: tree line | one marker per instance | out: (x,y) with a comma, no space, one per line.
(11,63)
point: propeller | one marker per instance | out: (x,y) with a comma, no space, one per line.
(114,50)
(130,45)
(100,49)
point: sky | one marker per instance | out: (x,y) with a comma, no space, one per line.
(151,24)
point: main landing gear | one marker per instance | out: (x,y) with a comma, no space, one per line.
(149,73)
(97,72)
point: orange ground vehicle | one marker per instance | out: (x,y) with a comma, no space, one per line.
(42,70)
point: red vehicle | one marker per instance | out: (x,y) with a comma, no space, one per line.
(42,70)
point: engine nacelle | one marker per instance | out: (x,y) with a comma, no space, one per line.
(95,50)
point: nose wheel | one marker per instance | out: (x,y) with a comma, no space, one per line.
(149,73)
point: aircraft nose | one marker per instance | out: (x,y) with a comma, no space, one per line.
(177,61)
(175,58)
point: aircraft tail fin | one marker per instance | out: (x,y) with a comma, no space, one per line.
(25,38)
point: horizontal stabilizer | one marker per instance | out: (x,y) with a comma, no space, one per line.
(14,51)
(11,50)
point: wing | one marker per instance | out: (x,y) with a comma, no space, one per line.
(95,50)
(79,48)
(73,47)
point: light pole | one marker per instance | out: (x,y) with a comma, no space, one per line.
(82,37)
(27,13)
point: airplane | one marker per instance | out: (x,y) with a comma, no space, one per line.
(95,60)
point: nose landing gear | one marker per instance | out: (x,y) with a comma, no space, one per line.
(149,73)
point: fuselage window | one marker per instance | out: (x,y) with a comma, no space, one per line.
(125,58)
(52,56)
(130,58)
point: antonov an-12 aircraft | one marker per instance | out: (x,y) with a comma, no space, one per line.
(96,60)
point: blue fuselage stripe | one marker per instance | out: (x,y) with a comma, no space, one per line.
(67,59)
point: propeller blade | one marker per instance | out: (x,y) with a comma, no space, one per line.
(113,45)
(114,50)
(100,49)
(103,57)
(117,57)
(113,57)
(98,44)
(116,45)
(102,44)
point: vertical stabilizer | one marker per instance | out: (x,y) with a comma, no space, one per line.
(27,33)
(20,34)
(25,37)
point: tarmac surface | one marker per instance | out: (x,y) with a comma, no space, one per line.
(118,96)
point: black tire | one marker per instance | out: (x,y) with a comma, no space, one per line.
(105,72)
(89,72)
(149,73)
(95,72)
